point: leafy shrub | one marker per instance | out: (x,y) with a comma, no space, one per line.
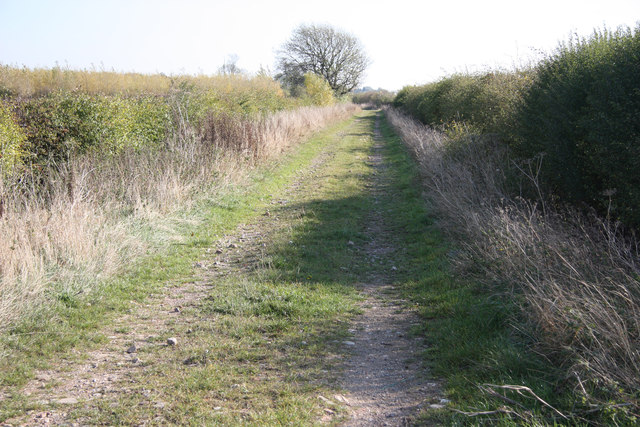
(318,91)
(583,113)
(579,110)
(62,122)
(12,140)
(484,102)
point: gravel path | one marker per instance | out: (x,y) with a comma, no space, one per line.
(386,382)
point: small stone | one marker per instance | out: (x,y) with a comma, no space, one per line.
(444,401)
(172,341)
(67,401)
(394,268)
(135,360)
(350,243)
(217,408)
(329,411)
(348,343)
(325,400)
(436,406)
(303,343)
(132,349)
(340,398)
(218,251)
(176,310)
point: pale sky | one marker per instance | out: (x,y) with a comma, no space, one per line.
(409,42)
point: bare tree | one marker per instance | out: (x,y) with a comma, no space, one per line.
(335,55)
(230,66)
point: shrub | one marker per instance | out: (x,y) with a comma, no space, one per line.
(318,90)
(62,122)
(12,141)
(576,278)
(484,102)
(583,113)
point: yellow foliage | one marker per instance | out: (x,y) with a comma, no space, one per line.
(318,90)
(12,140)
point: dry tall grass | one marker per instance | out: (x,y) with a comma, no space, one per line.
(27,82)
(578,278)
(65,237)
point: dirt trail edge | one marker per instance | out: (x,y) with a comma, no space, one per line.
(385,378)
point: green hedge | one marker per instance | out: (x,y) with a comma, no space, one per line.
(12,141)
(61,122)
(46,127)
(579,108)
(484,102)
(583,113)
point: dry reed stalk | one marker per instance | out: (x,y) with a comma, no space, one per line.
(579,276)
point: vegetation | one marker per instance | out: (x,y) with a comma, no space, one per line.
(81,167)
(562,284)
(12,142)
(335,55)
(577,109)
(484,103)
(582,114)
(66,112)
(317,90)
(551,284)
(259,343)
(375,98)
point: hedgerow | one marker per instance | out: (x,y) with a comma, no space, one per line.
(578,111)
(583,114)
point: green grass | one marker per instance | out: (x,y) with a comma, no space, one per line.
(469,330)
(266,341)
(76,320)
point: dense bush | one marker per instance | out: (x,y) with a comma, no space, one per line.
(318,91)
(484,102)
(377,98)
(583,113)
(61,122)
(578,110)
(12,141)
(48,114)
